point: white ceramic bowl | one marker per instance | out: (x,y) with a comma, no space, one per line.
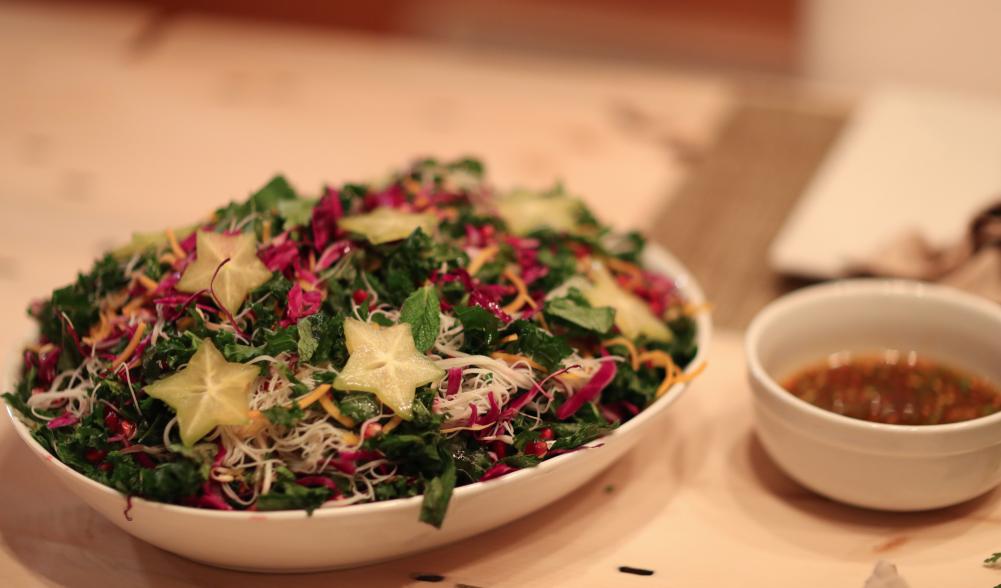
(367,533)
(875,465)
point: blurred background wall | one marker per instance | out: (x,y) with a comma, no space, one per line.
(853,42)
(951,44)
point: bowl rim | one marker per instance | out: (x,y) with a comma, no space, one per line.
(890,288)
(654,256)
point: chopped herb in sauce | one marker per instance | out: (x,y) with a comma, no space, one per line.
(895,388)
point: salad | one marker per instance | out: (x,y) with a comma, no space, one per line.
(380,341)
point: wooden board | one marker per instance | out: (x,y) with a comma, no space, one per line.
(724,217)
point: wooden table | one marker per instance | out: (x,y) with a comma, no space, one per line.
(118,120)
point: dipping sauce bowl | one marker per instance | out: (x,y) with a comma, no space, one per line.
(869,464)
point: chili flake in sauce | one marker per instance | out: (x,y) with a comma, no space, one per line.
(894,388)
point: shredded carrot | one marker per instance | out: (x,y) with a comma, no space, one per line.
(482,258)
(312,261)
(683,377)
(542,321)
(313,396)
(335,413)
(266,230)
(392,424)
(101,330)
(168,258)
(634,360)
(623,266)
(670,377)
(302,401)
(412,185)
(133,307)
(509,338)
(673,373)
(147,282)
(479,427)
(421,202)
(690,309)
(131,347)
(350,438)
(174,245)
(185,323)
(656,357)
(522,298)
(512,359)
(116,300)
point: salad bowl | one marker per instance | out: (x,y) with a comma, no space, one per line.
(342,537)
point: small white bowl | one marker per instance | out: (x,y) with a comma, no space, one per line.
(291,541)
(875,465)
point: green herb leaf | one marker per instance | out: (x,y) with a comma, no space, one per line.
(544,348)
(239,353)
(307,342)
(282,340)
(171,481)
(297,212)
(479,328)
(285,416)
(421,309)
(438,493)
(471,459)
(359,406)
(577,311)
(268,197)
(286,494)
(571,435)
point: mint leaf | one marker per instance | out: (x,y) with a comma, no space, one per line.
(268,197)
(576,310)
(241,353)
(421,311)
(307,341)
(296,212)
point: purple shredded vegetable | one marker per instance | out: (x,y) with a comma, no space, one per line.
(64,420)
(589,391)
(325,216)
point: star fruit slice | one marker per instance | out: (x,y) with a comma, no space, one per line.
(208,392)
(243,273)
(385,362)
(632,314)
(387,224)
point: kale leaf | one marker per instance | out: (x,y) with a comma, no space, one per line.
(287,494)
(438,493)
(479,328)
(548,350)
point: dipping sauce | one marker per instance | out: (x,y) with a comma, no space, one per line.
(897,388)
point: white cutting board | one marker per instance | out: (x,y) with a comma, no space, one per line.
(908,159)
